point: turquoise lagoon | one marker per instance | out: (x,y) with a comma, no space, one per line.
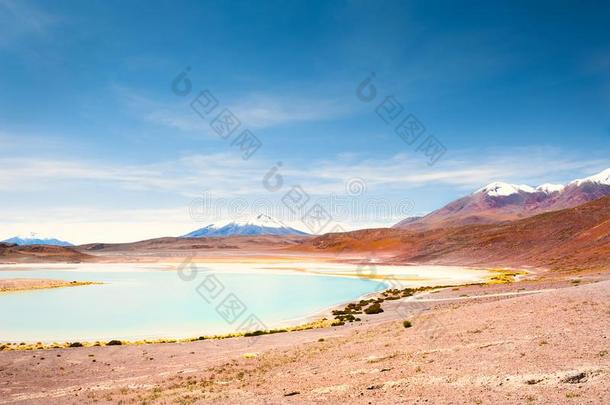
(139,301)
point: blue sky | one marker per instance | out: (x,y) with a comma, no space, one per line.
(95,146)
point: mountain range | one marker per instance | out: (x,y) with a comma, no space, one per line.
(571,238)
(499,202)
(36,239)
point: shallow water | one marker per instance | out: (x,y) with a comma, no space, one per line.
(153,301)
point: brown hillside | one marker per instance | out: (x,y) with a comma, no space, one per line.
(574,237)
(11,253)
(181,247)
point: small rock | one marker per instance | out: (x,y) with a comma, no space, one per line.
(575,378)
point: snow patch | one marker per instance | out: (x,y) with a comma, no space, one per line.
(500,189)
(549,188)
(599,178)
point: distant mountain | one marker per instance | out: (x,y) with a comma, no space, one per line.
(499,202)
(36,239)
(261,225)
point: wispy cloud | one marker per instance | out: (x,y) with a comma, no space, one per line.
(21,18)
(20,141)
(227,174)
(254,110)
(467,170)
(221,173)
(267,110)
(161,112)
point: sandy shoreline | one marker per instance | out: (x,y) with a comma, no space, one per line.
(30,284)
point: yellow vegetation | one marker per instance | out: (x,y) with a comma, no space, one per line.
(503,276)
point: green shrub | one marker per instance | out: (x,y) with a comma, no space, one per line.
(373,309)
(407,324)
(114,342)
(75,344)
(255,333)
(345,318)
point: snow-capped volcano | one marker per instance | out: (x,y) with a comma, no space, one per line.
(260,225)
(36,239)
(499,201)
